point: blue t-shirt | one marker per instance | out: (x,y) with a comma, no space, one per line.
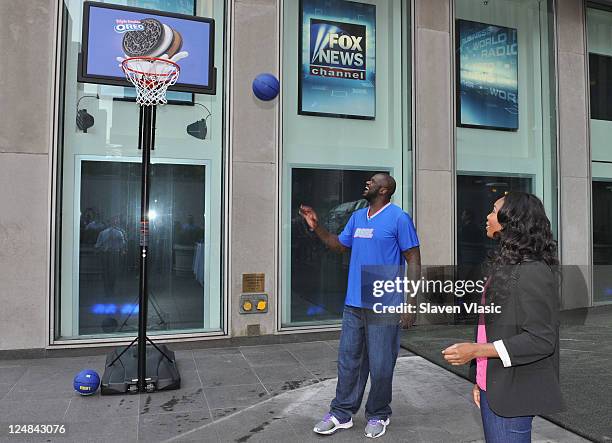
(379,240)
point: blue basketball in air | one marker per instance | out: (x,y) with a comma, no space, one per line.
(266,87)
(87,382)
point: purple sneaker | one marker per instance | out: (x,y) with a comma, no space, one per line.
(331,424)
(376,428)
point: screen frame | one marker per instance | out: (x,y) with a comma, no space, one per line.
(84,77)
(300,64)
(459,122)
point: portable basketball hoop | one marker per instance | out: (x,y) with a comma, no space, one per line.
(151,76)
(152,369)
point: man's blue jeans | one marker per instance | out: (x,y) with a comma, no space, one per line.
(498,429)
(369,344)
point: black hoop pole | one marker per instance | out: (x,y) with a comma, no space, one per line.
(146,141)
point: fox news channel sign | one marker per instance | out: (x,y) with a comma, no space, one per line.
(337,59)
(488,76)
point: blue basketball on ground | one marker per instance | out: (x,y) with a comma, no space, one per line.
(266,87)
(86,382)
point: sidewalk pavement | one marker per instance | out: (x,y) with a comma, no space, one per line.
(271,393)
(585,371)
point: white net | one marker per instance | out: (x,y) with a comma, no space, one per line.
(151,77)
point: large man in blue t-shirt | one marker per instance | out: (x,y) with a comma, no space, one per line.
(379,235)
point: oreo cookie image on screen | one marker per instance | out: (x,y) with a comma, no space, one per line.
(154,40)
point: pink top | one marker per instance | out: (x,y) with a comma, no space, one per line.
(481,337)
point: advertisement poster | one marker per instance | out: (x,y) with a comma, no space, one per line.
(487,70)
(113,33)
(337,60)
(186,7)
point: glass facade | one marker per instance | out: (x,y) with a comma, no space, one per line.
(326,158)
(506,114)
(505,140)
(99,200)
(599,41)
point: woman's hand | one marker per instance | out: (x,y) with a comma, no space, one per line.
(476,395)
(460,353)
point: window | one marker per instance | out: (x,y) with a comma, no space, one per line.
(97,264)
(336,134)
(506,88)
(599,40)
(474,203)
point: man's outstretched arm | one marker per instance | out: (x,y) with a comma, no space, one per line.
(330,240)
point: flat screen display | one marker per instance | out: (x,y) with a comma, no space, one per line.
(337,59)
(112,33)
(487,72)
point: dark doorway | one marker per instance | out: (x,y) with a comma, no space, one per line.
(109,247)
(476,195)
(318,276)
(602,241)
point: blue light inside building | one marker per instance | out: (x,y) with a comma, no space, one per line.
(129,309)
(110,308)
(314,310)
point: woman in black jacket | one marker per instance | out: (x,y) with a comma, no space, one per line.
(515,360)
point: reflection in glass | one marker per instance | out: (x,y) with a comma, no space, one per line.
(602,241)
(475,198)
(109,247)
(319,276)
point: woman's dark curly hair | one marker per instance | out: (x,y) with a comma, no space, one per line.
(526,235)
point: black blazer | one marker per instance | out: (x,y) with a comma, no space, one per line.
(528,326)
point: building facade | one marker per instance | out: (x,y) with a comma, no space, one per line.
(224,207)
